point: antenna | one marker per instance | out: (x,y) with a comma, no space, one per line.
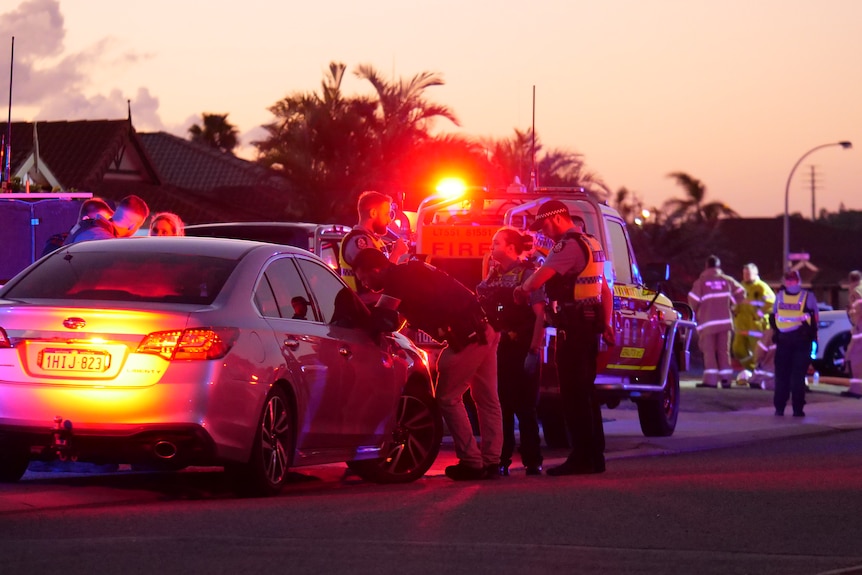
(7,157)
(533,176)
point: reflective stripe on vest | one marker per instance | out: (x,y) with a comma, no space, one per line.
(588,285)
(345,270)
(790,310)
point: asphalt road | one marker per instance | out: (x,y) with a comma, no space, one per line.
(735,490)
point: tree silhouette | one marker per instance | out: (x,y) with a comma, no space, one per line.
(216,132)
(692,208)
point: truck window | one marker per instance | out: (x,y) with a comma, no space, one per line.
(620,253)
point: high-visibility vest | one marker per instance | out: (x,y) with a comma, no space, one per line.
(588,285)
(790,311)
(344,268)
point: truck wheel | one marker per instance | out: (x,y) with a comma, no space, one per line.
(553,423)
(658,416)
(14,460)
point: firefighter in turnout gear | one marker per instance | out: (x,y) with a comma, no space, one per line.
(375,215)
(582,304)
(522,331)
(712,298)
(751,316)
(795,329)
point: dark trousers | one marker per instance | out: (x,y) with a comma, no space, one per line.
(792,356)
(519,395)
(576,352)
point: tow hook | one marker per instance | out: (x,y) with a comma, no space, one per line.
(62,445)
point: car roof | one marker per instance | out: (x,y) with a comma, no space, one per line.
(224,247)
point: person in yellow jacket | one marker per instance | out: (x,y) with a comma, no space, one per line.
(712,298)
(751,316)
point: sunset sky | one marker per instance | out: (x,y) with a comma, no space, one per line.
(732,92)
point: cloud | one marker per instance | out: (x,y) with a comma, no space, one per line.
(52,83)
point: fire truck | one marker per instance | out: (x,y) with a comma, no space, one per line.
(653,333)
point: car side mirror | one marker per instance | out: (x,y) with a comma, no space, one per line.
(654,274)
(384,320)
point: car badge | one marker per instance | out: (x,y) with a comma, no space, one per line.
(74,323)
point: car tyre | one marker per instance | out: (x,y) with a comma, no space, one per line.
(658,415)
(413,447)
(272,452)
(14,460)
(835,354)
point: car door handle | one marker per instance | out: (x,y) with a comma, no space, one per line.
(291,343)
(345,351)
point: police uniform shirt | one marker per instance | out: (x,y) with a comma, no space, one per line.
(567,257)
(359,239)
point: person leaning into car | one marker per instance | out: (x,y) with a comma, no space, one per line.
(434,302)
(581,304)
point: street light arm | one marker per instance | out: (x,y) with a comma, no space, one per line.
(786,254)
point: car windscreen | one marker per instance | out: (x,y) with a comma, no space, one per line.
(125,276)
(283,235)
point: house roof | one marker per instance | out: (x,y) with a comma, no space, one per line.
(196,166)
(198,183)
(78,153)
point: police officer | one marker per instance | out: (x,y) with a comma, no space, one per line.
(522,329)
(573,277)
(375,215)
(439,305)
(794,329)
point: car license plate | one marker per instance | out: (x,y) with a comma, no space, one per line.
(74,360)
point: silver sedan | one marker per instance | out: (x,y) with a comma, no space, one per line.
(198,351)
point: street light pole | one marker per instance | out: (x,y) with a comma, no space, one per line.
(786,253)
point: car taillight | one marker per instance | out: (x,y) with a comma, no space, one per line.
(4,339)
(196,343)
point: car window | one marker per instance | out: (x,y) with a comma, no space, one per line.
(264,299)
(338,303)
(620,249)
(291,298)
(125,276)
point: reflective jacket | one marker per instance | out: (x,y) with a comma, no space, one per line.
(712,297)
(752,315)
(790,312)
(344,268)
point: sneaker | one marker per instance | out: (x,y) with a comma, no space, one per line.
(852,394)
(533,470)
(725,384)
(706,385)
(462,472)
(798,414)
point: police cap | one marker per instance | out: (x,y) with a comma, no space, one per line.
(547,210)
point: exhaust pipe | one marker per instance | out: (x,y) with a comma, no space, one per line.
(164,449)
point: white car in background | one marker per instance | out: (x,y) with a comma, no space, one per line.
(833,336)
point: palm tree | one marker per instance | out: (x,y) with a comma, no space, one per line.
(692,208)
(216,132)
(323,143)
